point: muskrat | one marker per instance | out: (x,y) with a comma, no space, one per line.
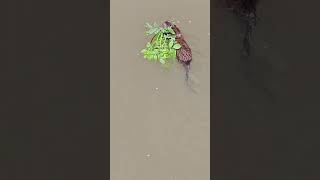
(184,54)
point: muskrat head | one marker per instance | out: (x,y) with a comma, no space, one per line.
(174,28)
(168,24)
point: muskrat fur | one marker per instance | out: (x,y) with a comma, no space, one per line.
(184,54)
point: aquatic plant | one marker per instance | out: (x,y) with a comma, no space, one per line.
(163,45)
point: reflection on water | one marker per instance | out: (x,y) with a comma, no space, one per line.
(264,106)
(159,128)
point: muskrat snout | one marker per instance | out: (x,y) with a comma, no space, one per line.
(167,24)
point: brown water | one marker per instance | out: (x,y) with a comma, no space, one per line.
(159,128)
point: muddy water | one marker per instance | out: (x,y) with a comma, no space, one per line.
(159,128)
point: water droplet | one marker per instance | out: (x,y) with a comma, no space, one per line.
(208,34)
(148,155)
(189,21)
(178,21)
(157,88)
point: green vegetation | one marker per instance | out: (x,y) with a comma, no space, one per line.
(163,45)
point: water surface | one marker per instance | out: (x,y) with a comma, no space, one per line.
(159,128)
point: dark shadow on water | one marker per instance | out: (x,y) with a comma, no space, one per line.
(256,73)
(266,106)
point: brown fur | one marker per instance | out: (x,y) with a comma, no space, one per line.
(184,54)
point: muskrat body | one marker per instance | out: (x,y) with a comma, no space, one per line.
(184,54)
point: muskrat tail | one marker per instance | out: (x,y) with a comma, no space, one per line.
(187,69)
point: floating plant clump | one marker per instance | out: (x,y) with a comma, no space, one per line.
(163,46)
(168,44)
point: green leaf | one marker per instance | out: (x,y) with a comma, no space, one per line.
(157,31)
(171,31)
(151,31)
(148,25)
(171,43)
(177,46)
(162,61)
(163,46)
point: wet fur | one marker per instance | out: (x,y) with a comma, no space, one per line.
(184,54)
